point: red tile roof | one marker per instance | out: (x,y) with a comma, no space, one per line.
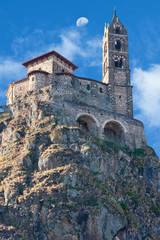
(48,54)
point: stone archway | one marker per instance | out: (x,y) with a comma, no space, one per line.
(4,109)
(88,124)
(114,132)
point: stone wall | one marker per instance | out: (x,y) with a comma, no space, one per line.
(20,87)
(82,92)
(120,97)
(45,64)
(38,80)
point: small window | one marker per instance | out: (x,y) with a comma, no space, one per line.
(32,78)
(100,90)
(119,96)
(116,62)
(88,87)
(62,70)
(117,45)
(40,69)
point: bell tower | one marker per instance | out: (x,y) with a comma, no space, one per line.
(115,63)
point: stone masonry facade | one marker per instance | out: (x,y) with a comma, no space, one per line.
(105,108)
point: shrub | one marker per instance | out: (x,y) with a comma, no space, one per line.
(124,206)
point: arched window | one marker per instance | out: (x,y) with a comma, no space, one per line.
(116,62)
(117,45)
(121,63)
(88,87)
(118,30)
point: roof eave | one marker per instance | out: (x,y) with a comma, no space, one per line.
(47,54)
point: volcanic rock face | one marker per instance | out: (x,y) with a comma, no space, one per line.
(59,183)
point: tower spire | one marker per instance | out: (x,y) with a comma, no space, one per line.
(115,11)
(116,70)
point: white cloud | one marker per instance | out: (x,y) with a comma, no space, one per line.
(70,44)
(82,21)
(74,44)
(10,69)
(147,94)
(94,51)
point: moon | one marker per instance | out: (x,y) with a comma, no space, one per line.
(82,21)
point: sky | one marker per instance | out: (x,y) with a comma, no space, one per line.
(33,27)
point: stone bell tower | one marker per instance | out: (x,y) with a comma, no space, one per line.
(116,70)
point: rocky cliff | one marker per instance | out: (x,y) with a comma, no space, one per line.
(58,183)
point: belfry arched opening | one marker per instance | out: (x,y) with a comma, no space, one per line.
(114,132)
(88,124)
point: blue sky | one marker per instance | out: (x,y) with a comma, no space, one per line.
(31,28)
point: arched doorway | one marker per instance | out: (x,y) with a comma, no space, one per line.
(114,132)
(88,124)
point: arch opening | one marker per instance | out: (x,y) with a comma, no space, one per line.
(117,45)
(1,110)
(114,132)
(118,30)
(116,62)
(87,124)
